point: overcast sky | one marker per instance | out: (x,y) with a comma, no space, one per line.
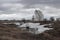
(17,9)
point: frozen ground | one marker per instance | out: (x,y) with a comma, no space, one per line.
(35,26)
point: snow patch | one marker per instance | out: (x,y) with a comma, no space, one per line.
(35,26)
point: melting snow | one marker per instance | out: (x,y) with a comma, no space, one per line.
(41,28)
(34,27)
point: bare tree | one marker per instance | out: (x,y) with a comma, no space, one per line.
(39,15)
(52,19)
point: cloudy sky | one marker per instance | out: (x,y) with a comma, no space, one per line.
(17,9)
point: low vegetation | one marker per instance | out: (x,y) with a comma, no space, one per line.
(12,32)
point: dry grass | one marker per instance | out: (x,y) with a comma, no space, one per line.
(8,32)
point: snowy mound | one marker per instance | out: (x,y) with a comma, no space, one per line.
(34,26)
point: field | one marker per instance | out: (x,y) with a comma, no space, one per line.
(12,32)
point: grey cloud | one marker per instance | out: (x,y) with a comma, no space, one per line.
(54,3)
(26,7)
(29,3)
(9,1)
(39,1)
(2,8)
